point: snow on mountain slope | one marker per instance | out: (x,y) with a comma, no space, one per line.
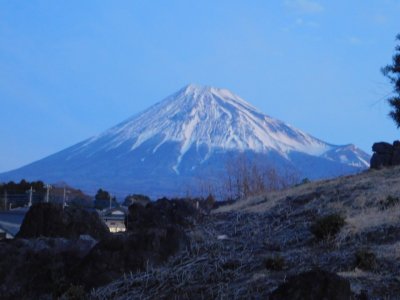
(172,140)
(215,117)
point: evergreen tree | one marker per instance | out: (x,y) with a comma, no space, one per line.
(393,73)
(102,200)
(102,195)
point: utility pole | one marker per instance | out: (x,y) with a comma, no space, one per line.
(110,200)
(30,196)
(64,197)
(5,200)
(48,187)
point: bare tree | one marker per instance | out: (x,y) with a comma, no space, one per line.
(246,177)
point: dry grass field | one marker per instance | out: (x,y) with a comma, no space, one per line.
(247,249)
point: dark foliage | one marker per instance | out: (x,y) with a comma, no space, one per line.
(366,260)
(392,72)
(162,213)
(130,252)
(102,195)
(22,187)
(303,181)
(327,226)
(314,285)
(103,198)
(50,258)
(81,202)
(39,268)
(154,233)
(136,198)
(390,201)
(276,263)
(76,292)
(223,203)
(51,220)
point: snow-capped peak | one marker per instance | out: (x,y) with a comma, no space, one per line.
(189,137)
(197,92)
(203,115)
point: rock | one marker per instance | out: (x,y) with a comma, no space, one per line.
(380,160)
(396,145)
(385,155)
(51,220)
(396,157)
(129,252)
(314,285)
(382,147)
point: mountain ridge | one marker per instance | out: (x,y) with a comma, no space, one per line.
(173,139)
(193,98)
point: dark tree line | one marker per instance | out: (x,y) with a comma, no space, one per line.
(22,187)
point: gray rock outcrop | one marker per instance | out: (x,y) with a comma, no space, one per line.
(385,155)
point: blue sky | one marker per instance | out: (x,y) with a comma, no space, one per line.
(71,69)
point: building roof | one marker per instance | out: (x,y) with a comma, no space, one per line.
(115,211)
(10,221)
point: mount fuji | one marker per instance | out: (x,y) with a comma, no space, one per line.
(187,140)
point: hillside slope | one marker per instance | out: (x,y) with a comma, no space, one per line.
(249,248)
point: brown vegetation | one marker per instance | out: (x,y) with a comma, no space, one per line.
(232,253)
(245,178)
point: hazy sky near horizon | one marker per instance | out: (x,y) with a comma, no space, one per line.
(72,69)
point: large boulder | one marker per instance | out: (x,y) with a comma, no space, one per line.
(51,220)
(380,160)
(314,285)
(396,153)
(382,147)
(385,155)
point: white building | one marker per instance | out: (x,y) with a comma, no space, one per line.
(115,219)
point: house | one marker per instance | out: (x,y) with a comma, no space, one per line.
(5,234)
(10,222)
(115,218)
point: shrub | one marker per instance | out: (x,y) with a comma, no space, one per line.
(365,260)
(389,202)
(303,181)
(276,263)
(210,201)
(75,292)
(327,226)
(136,198)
